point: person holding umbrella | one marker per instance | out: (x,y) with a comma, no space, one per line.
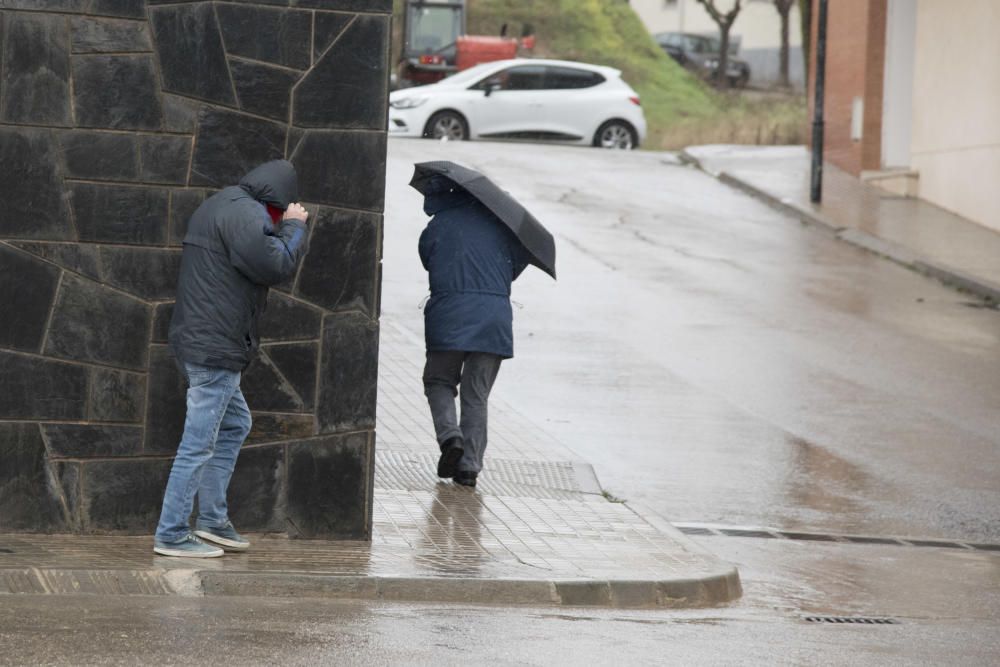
(477,243)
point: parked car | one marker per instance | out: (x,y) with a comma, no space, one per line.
(524,98)
(700,53)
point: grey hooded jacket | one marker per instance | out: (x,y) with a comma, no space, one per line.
(232,254)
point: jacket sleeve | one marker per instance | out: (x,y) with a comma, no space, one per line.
(264,255)
(424,248)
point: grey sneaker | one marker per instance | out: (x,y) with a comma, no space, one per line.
(226,537)
(189,547)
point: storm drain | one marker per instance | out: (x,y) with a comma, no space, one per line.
(860,620)
(710,530)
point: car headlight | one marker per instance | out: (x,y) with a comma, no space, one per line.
(711,64)
(407,102)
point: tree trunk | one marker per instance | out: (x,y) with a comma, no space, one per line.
(785,79)
(720,74)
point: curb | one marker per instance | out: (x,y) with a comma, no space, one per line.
(874,244)
(714,588)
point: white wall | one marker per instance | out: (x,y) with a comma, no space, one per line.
(955,142)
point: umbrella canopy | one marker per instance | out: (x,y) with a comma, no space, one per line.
(532,235)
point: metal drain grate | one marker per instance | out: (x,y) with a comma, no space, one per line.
(715,530)
(4,550)
(861,620)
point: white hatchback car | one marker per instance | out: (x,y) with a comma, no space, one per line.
(524,99)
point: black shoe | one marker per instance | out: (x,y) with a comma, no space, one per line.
(451,453)
(466,478)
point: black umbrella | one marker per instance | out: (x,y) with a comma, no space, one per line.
(535,238)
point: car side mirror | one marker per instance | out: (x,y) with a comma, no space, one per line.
(492,86)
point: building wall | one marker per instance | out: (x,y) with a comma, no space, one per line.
(117,118)
(956,106)
(854,70)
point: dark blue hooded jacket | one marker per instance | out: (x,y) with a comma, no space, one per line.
(471,258)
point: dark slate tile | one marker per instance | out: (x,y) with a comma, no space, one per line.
(264,389)
(67,6)
(179,114)
(98,35)
(329,487)
(149,273)
(339,271)
(36,70)
(33,202)
(348,87)
(271,427)
(256,487)
(35,388)
(289,319)
(30,493)
(162,313)
(93,323)
(279,36)
(123,495)
(165,158)
(167,402)
(80,258)
(379,6)
(27,288)
(362,185)
(348,373)
(67,475)
(230,144)
(192,59)
(120,213)
(297,363)
(327,27)
(117,396)
(75,441)
(183,204)
(103,156)
(135,9)
(116,92)
(294,137)
(262,89)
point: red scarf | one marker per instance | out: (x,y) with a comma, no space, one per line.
(275,214)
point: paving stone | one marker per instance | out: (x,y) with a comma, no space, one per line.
(103,156)
(361,186)
(279,36)
(78,258)
(289,319)
(165,159)
(167,402)
(263,90)
(117,396)
(92,441)
(37,388)
(116,92)
(339,271)
(33,191)
(28,498)
(274,427)
(36,70)
(328,490)
(123,495)
(93,323)
(191,55)
(297,363)
(327,27)
(120,213)
(264,389)
(328,95)
(100,35)
(149,273)
(230,144)
(183,204)
(348,373)
(256,489)
(27,288)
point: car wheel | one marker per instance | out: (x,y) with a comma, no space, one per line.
(447,126)
(742,80)
(616,134)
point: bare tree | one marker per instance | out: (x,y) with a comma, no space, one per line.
(784,8)
(725,21)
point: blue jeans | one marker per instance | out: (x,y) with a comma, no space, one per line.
(217,423)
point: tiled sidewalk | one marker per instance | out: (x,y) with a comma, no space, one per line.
(535,531)
(910,231)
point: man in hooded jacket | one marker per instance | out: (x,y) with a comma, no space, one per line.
(471,259)
(239,242)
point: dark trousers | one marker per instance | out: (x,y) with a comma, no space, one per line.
(469,375)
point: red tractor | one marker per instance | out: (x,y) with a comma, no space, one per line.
(435,44)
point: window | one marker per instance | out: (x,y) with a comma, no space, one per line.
(433,28)
(525,77)
(560,78)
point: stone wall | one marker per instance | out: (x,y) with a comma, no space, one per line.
(117,118)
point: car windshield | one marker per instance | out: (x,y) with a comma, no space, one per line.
(433,28)
(472,74)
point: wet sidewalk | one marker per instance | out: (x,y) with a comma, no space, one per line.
(537,530)
(910,231)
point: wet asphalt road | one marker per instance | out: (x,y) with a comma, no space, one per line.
(717,363)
